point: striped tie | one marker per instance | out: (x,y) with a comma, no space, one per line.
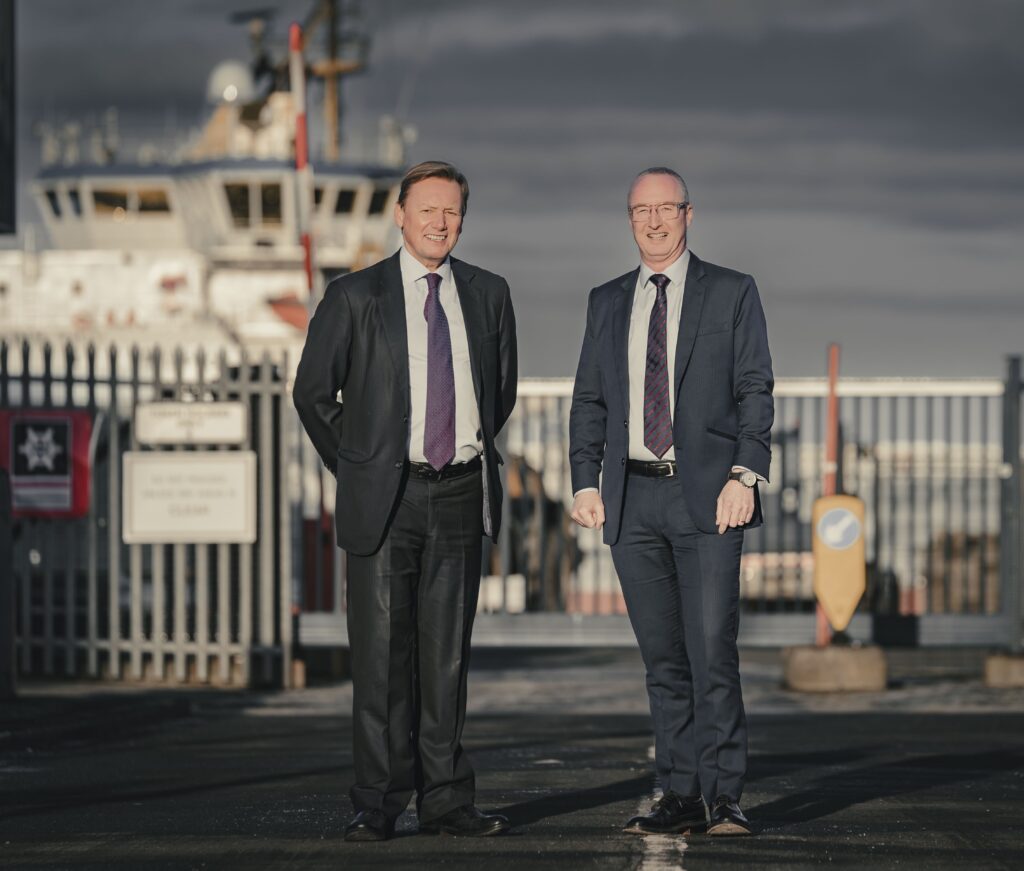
(657,412)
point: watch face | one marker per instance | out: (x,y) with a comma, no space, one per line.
(748,479)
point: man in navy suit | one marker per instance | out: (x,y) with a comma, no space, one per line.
(669,437)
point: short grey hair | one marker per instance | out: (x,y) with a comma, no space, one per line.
(660,170)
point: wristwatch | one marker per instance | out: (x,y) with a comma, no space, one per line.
(746,477)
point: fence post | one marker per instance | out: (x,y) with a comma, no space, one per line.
(7,657)
(1011,537)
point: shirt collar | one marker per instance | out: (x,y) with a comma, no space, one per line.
(413,270)
(676,272)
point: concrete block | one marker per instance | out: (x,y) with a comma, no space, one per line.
(834,669)
(1003,670)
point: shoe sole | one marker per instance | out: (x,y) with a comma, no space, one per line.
(728,829)
(365,837)
(484,834)
(689,829)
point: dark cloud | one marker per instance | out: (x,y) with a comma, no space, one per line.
(864,161)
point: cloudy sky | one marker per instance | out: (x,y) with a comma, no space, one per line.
(864,161)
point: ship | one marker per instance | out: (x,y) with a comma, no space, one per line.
(199,242)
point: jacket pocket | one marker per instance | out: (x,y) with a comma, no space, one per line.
(720,434)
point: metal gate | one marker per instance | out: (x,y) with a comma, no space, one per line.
(88,605)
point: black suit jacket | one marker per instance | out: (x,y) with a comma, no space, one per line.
(723,408)
(357,343)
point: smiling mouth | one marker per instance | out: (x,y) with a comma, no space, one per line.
(434,237)
(657,235)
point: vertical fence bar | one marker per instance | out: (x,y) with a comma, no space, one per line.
(245,551)
(47,535)
(158,555)
(281,456)
(114,525)
(202,578)
(1010,521)
(136,630)
(265,639)
(223,598)
(71,530)
(92,538)
(180,556)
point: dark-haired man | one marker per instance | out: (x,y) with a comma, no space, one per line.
(422,348)
(671,412)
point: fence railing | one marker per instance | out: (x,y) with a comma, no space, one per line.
(89,605)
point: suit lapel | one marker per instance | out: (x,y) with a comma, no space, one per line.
(694,292)
(474,316)
(391,305)
(621,310)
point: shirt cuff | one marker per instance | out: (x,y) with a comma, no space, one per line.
(585,490)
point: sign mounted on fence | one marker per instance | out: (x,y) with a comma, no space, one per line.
(183,498)
(46,452)
(191,423)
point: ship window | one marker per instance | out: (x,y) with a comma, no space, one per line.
(379,200)
(344,203)
(76,201)
(270,202)
(107,202)
(51,198)
(238,202)
(318,196)
(153,200)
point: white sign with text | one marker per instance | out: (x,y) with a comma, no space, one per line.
(191,423)
(175,498)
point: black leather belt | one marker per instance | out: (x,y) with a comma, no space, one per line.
(666,469)
(426,472)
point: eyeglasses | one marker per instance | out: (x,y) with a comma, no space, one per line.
(666,211)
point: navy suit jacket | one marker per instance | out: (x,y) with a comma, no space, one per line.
(723,392)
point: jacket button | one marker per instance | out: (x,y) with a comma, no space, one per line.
(405,419)
(623,461)
(625,423)
(398,465)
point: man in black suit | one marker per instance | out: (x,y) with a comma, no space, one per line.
(422,348)
(670,416)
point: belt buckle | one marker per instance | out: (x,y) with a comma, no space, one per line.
(671,470)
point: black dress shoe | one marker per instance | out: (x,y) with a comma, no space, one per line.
(371,825)
(468,821)
(727,818)
(671,814)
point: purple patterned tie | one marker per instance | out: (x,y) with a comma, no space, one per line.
(439,429)
(657,413)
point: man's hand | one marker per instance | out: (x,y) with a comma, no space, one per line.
(735,506)
(588,509)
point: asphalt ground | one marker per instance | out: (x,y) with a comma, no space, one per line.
(929,774)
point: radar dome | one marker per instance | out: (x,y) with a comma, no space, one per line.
(230,82)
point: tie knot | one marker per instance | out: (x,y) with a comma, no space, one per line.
(433,281)
(660,281)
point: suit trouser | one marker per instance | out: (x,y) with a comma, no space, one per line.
(410,616)
(681,588)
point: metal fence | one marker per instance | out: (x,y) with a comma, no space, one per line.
(930,458)
(938,464)
(89,605)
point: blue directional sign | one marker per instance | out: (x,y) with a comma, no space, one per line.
(839,528)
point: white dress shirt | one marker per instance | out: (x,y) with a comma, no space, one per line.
(467,417)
